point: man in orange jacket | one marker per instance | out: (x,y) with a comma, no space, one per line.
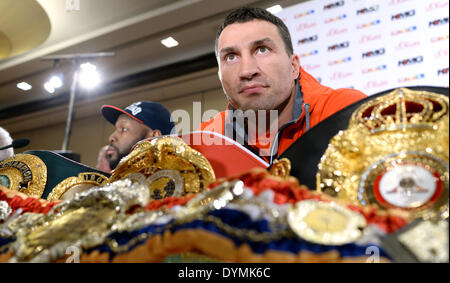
(260,74)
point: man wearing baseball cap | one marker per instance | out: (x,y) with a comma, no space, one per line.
(140,120)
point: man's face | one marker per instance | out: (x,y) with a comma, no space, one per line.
(128,132)
(254,68)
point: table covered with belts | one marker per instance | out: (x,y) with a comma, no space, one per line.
(380,195)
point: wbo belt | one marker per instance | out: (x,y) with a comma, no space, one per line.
(47,175)
(390,149)
(305,153)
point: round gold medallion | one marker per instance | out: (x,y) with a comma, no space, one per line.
(412,181)
(326,223)
(165,183)
(25,173)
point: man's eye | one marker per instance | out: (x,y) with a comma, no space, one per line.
(262,50)
(230,57)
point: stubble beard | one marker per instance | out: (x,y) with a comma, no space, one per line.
(114,162)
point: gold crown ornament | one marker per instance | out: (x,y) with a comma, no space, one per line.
(169,167)
(395,154)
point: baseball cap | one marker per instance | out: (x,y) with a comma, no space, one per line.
(151,114)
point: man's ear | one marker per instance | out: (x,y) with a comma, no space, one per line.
(295,62)
(220,75)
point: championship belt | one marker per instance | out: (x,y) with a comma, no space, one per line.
(168,166)
(25,173)
(68,187)
(420,241)
(48,175)
(394,154)
(305,153)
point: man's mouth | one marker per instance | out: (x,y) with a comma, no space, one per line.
(253,88)
(111,151)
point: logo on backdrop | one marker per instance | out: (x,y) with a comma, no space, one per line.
(375,69)
(338,18)
(437,5)
(301,15)
(304,26)
(343,60)
(335,31)
(410,61)
(373,53)
(395,2)
(340,75)
(404,15)
(310,67)
(402,31)
(402,45)
(334,5)
(412,78)
(307,54)
(442,72)
(338,46)
(364,11)
(441,53)
(368,38)
(438,38)
(438,22)
(370,24)
(375,84)
(308,39)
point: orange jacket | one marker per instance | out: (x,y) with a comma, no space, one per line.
(323,102)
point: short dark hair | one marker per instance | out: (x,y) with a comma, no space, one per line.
(247,14)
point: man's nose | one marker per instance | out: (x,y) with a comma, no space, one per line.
(248,67)
(112,138)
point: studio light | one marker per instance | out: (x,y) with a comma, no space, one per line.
(53,83)
(49,88)
(84,74)
(89,76)
(56,81)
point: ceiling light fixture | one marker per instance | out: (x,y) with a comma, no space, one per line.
(56,81)
(53,83)
(83,74)
(275,9)
(89,76)
(24,86)
(49,88)
(169,42)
